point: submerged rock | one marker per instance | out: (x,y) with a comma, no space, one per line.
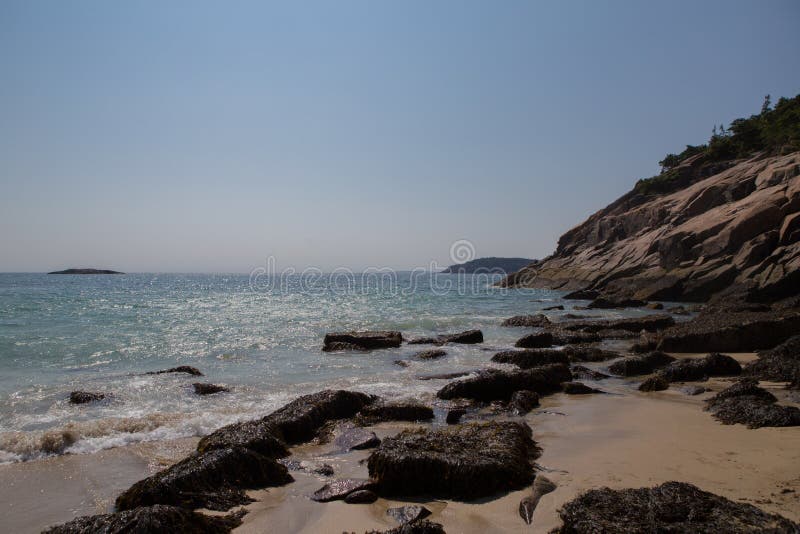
(541,486)
(408,513)
(492,384)
(361,340)
(527,359)
(394,411)
(462,462)
(578,388)
(341,488)
(467,337)
(84,397)
(538,320)
(670,507)
(748,404)
(579,371)
(208,389)
(780,364)
(691,369)
(189,370)
(641,365)
(213,480)
(432,354)
(146,519)
(654,383)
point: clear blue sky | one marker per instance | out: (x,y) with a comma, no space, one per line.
(198,136)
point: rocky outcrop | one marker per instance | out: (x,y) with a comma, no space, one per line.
(158,518)
(492,384)
(732,228)
(461,462)
(494,265)
(338,341)
(670,507)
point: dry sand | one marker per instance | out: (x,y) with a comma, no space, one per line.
(623,439)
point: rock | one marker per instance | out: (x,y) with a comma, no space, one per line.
(432,354)
(690,369)
(394,411)
(144,519)
(649,323)
(443,376)
(539,320)
(780,364)
(325,470)
(641,365)
(194,371)
(523,402)
(408,513)
(362,340)
(341,488)
(550,308)
(578,388)
(83,397)
(401,363)
(585,353)
(455,415)
(85,271)
(582,294)
(670,507)
(654,383)
(361,497)
(355,438)
(654,306)
(527,359)
(297,422)
(417,527)
(460,462)
(694,390)
(208,389)
(678,310)
(343,346)
(569,337)
(492,384)
(467,337)
(541,486)
(485,266)
(579,371)
(535,341)
(213,480)
(748,404)
(604,303)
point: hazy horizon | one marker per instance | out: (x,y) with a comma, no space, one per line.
(205,137)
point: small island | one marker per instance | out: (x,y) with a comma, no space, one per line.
(490,265)
(85,271)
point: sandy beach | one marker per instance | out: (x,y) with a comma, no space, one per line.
(621,439)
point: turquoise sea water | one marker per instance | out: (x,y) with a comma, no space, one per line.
(261,338)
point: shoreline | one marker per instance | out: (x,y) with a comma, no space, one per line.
(622,439)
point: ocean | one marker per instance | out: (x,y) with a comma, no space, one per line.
(259,336)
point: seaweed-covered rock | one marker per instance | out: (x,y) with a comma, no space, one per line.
(492,384)
(541,486)
(538,320)
(341,488)
(641,365)
(361,497)
(691,369)
(84,397)
(670,507)
(408,513)
(454,416)
(527,359)
(746,403)
(523,402)
(587,353)
(202,388)
(535,341)
(194,371)
(212,480)
(467,337)
(780,364)
(394,411)
(606,303)
(579,371)
(362,340)
(432,354)
(461,462)
(416,527)
(654,383)
(578,388)
(149,519)
(570,337)
(649,323)
(354,438)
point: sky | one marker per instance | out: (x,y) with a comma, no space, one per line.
(153,136)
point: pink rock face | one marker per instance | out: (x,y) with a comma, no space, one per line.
(739,227)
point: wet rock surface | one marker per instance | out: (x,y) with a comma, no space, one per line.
(356,438)
(539,320)
(194,371)
(341,488)
(541,487)
(462,462)
(588,353)
(746,403)
(208,389)
(394,411)
(467,337)
(213,480)
(147,519)
(527,359)
(780,364)
(578,388)
(84,397)
(433,354)
(693,369)
(641,365)
(670,507)
(368,340)
(361,497)
(408,513)
(649,323)
(654,383)
(535,341)
(579,371)
(523,402)
(492,384)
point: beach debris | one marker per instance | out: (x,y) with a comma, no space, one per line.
(463,461)
(746,403)
(84,397)
(541,486)
(466,337)
(157,518)
(202,388)
(578,388)
(670,507)
(538,320)
(690,369)
(523,402)
(493,384)
(641,365)
(579,371)
(408,513)
(527,359)
(367,340)
(340,488)
(654,383)
(432,354)
(215,480)
(361,497)
(189,370)
(394,411)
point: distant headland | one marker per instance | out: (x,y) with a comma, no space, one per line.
(86,271)
(496,265)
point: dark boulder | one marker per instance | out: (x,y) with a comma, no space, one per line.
(492,384)
(213,480)
(408,513)
(552,308)
(654,383)
(587,353)
(454,416)
(692,369)
(582,294)
(432,354)
(527,359)
(654,306)
(444,376)
(361,497)
(208,389)
(394,411)
(671,507)
(641,365)
(356,438)
(603,303)
(83,397)
(341,488)
(462,462)
(150,519)
(189,370)
(539,320)
(535,341)
(570,337)
(578,388)
(780,364)
(579,371)
(467,337)
(362,340)
(523,402)
(649,323)
(748,404)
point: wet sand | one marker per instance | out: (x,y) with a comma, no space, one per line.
(623,439)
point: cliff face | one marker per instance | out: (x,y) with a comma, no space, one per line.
(726,228)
